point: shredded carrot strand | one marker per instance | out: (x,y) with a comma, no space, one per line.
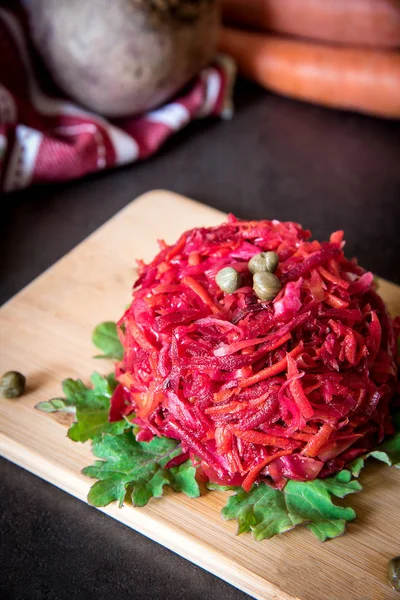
(333,278)
(253,474)
(141,338)
(226,408)
(198,289)
(273,369)
(163,267)
(225,394)
(193,259)
(319,440)
(126,379)
(247,344)
(296,389)
(263,439)
(177,248)
(335,302)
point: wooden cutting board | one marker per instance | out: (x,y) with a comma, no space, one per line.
(46,332)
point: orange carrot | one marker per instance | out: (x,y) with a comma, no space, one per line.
(361,22)
(263,439)
(335,302)
(273,370)
(320,438)
(198,289)
(253,474)
(339,77)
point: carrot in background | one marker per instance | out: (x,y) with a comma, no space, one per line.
(339,77)
(361,22)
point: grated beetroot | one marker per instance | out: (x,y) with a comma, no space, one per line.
(294,388)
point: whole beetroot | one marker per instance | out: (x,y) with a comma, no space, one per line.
(126,56)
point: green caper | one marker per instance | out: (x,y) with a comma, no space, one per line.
(264,261)
(266,285)
(271,261)
(12,384)
(228,280)
(394,573)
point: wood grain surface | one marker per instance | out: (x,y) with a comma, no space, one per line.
(46,334)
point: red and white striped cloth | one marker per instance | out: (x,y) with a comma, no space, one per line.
(45,138)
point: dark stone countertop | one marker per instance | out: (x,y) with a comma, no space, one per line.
(275,159)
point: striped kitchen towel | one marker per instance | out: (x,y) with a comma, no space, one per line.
(44,137)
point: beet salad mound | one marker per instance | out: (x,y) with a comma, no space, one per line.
(269,356)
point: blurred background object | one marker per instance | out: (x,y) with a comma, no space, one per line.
(374,23)
(338,53)
(89,85)
(117,58)
(123,57)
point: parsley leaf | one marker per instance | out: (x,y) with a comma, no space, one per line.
(128,466)
(105,338)
(92,408)
(55,405)
(389,451)
(137,469)
(90,405)
(312,501)
(266,511)
(357,466)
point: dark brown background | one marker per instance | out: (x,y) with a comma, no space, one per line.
(275,159)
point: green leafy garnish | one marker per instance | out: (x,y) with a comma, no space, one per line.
(105,338)
(92,408)
(266,511)
(357,466)
(137,468)
(56,405)
(127,466)
(389,451)
(133,470)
